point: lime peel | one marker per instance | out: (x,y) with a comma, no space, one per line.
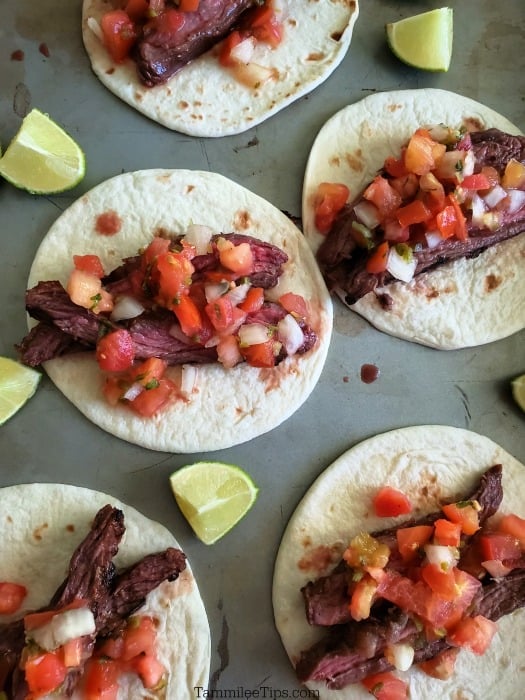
(213,497)
(518,391)
(17,384)
(423,41)
(42,158)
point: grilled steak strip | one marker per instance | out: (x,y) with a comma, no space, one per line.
(354,651)
(159,54)
(326,599)
(344,263)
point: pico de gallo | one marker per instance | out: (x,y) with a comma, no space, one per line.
(219,308)
(425,571)
(122,27)
(427,196)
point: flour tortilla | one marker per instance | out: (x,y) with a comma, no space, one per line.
(204,99)
(428,463)
(227,406)
(461,304)
(42,526)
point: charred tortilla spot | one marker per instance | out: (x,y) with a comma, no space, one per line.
(394,107)
(183,104)
(492,282)
(318,56)
(242,220)
(473,124)
(320,558)
(355,160)
(39,531)
(70,527)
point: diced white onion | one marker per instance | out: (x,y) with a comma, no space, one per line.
(176,331)
(367,213)
(290,334)
(126,307)
(133,391)
(442,556)
(516,200)
(468,164)
(494,196)
(440,132)
(496,568)
(63,627)
(95,28)
(243,52)
(188,379)
(238,294)
(214,291)
(253,334)
(199,236)
(401,656)
(478,209)
(399,267)
(253,75)
(434,238)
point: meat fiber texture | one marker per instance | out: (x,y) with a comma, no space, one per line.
(430,464)
(226,406)
(205,99)
(464,303)
(43,525)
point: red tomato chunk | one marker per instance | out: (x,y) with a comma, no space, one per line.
(389,502)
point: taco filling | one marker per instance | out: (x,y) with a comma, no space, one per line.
(417,593)
(88,638)
(447,195)
(197,298)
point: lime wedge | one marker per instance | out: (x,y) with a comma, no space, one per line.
(17,384)
(423,41)
(518,391)
(42,158)
(213,497)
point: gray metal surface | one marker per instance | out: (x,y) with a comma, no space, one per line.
(52,442)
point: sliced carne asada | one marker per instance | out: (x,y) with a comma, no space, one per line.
(159,54)
(344,261)
(352,650)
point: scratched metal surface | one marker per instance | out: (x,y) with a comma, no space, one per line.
(50,441)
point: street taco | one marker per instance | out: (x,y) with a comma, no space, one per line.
(423,280)
(203,97)
(314,574)
(130,224)
(94,572)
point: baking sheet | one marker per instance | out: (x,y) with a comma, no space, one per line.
(52,442)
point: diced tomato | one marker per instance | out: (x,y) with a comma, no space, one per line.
(44,673)
(188,5)
(119,34)
(220,313)
(396,166)
(446,221)
(477,181)
(410,540)
(441,582)
(441,666)
(447,533)
(11,596)
(238,258)
(228,352)
(139,637)
(294,304)
(37,619)
(496,568)
(389,503)
(113,389)
(90,264)
(157,247)
(263,24)
(189,316)
(232,40)
(253,300)
(381,193)
(115,351)
(376,263)
(169,21)
(474,633)
(330,198)
(136,9)
(366,551)
(150,401)
(514,175)
(432,192)
(498,545)
(386,686)
(86,290)
(461,221)
(260,354)
(394,232)
(465,513)
(73,652)
(422,152)
(513,525)
(406,186)
(413,213)
(175,271)
(150,670)
(363,596)
(112,648)
(149,372)
(101,679)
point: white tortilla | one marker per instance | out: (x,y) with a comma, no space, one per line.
(461,304)
(427,463)
(42,524)
(227,406)
(204,99)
